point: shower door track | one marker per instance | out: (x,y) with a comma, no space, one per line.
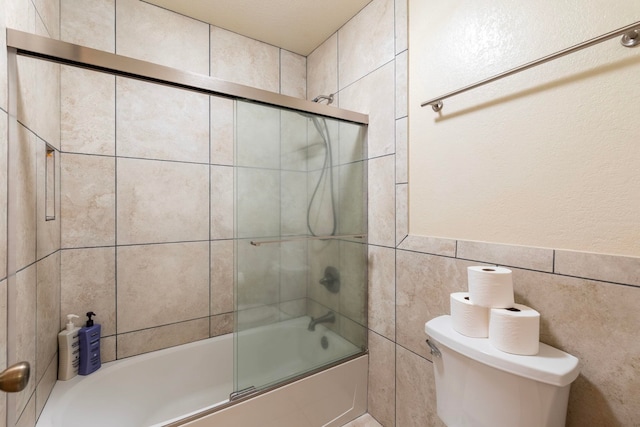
(27,44)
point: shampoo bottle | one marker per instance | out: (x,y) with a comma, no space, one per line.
(69,350)
(89,346)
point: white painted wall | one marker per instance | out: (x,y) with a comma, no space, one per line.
(549,157)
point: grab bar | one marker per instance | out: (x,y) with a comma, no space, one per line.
(296,239)
(630,38)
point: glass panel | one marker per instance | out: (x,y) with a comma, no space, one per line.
(300,301)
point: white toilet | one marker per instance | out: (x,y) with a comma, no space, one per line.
(480,386)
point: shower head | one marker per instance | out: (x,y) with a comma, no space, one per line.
(328,98)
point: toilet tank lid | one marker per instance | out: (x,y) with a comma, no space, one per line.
(550,365)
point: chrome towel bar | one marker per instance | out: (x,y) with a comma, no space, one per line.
(630,38)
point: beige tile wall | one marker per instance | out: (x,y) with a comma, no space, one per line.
(25,331)
(156,35)
(161,284)
(94,23)
(3,197)
(3,56)
(89,280)
(245,61)
(26,217)
(88,111)
(147,176)
(3,215)
(182,135)
(161,202)
(88,216)
(322,69)
(222,131)
(37,245)
(3,343)
(47,312)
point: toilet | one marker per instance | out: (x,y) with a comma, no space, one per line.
(478,385)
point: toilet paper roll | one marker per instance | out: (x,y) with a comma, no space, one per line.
(515,330)
(490,286)
(467,318)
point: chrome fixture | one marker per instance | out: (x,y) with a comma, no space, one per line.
(630,38)
(327,169)
(297,239)
(324,342)
(331,280)
(330,317)
(15,378)
(435,351)
(242,393)
(328,98)
(28,44)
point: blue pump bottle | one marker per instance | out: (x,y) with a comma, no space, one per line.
(89,336)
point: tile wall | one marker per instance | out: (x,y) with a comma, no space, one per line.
(3,204)
(586,300)
(37,240)
(148,180)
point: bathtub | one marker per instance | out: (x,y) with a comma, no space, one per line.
(164,386)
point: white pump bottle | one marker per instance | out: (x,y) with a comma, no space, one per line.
(69,350)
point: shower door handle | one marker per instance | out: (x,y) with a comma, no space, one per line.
(15,378)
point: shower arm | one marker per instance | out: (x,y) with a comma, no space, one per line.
(328,98)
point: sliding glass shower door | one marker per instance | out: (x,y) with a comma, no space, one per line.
(300,243)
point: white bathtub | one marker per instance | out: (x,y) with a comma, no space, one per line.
(268,354)
(163,386)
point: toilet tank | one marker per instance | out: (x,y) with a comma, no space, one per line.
(478,385)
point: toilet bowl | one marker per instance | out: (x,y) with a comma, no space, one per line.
(478,385)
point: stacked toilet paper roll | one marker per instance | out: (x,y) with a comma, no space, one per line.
(467,318)
(490,287)
(515,330)
(488,310)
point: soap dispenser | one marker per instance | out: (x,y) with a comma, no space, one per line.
(69,350)
(89,346)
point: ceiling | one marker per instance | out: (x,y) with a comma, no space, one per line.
(295,25)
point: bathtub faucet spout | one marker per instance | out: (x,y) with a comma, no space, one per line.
(330,317)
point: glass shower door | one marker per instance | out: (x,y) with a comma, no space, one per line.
(300,243)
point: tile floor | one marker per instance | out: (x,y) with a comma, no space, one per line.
(364,421)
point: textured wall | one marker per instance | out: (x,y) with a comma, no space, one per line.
(547,157)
